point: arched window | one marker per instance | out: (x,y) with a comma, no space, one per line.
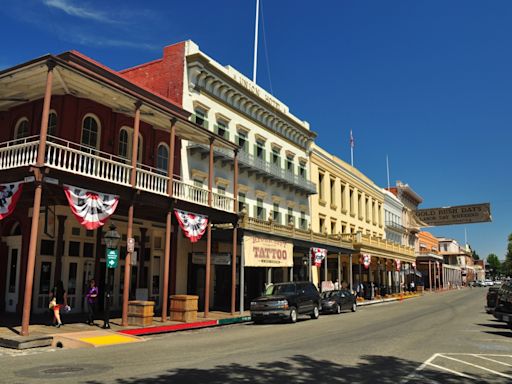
(22,128)
(90,131)
(162,157)
(123,143)
(52,123)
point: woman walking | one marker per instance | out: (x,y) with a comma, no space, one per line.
(92,294)
(58,300)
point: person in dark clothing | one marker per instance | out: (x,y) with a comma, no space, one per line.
(58,301)
(92,294)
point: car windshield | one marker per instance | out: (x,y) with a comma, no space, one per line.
(282,289)
(328,294)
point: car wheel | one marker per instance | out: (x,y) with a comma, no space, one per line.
(258,321)
(354,307)
(293,315)
(316,313)
(338,309)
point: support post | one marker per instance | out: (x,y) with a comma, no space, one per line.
(339,270)
(430,275)
(168,221)
(208,271)
(350,272)
(235,232)
(129,232)
(29,280)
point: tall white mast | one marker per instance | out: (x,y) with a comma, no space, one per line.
(387,167)
(255,65)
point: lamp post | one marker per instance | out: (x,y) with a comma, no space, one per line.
(111,241)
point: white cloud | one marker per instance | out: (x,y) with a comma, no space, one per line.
(73,10)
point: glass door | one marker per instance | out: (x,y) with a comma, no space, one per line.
(13,273)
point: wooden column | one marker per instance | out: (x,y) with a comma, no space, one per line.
(168,221)
(430,275)
(129,231)
(235,233)
(209,239)
(29,280)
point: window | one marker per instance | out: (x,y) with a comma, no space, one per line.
(368,210)
(289,164)
(289,217)
(360,205)
(90,132)
(374,213)
(276,215)
(162,158)
(333,227)
(241,201)
(200,118)
(198,183)
(302,171)
(321,224)
(343,228)
(74,248)
(260,211)
(259,150)
(75,231)
(351,201)
(342,193)
(123,143)
(276,159)
(89,233)
(126,142)
(242,140)
(303,222)
(221,190)
(52,124)
(22,128)
(89,250)
(321,192)
(47,247)
(333,191)
(221,129)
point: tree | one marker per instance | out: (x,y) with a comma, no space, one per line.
(475,255)
(494,264)
(507,265)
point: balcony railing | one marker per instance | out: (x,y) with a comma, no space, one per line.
(261,165)
(377,242)
(74,158)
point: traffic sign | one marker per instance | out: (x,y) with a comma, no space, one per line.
(112,258)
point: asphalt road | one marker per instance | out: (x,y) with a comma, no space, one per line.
(438,338)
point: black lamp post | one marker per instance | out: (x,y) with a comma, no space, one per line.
(111,238)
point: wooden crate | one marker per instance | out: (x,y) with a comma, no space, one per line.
(185,316)
(138,320)
(141,308)
(184,302)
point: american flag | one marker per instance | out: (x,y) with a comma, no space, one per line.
(351,140)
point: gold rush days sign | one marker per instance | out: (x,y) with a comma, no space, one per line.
(461,214)
(263,252)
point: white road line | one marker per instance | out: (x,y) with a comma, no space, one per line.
(477,366)
(494,361)
(422,366)
(471,354)
(451,371)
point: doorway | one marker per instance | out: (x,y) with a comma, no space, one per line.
(13,272)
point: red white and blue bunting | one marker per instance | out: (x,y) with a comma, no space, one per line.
(317,255)
(398,264)
(192,224)
(92,209)
(366,259)
(9,196)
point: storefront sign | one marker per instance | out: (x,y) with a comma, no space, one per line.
(264,252)
(317,256)
(215,258)
(462,214)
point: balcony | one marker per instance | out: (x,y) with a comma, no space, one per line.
(261,167)
(378,244)
(77,159)
(289,231)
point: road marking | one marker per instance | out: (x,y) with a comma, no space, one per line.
(477,366)
(451,371)
(108,339)
(495,361)
(421,367)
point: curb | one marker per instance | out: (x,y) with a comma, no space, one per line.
(184,326)
(363,303)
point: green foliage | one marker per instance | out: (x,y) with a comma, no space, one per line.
(495,266)
(507,264)
(475,256)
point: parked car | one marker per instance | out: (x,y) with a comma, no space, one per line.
(488,283)
(503,309)
(337,301)
(492,298)
(285,301)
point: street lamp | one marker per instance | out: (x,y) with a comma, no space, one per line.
(111,238)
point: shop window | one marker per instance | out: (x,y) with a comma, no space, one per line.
(22,128)
(162,158)
(74,248)
(47,247)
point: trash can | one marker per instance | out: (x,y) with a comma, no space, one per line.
(140,312)
(184,308)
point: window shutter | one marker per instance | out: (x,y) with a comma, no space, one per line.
(264,214)
(255,150)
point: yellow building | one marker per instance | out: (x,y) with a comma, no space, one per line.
(348,203)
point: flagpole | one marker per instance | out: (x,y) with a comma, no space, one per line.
(255,64)
(387,167)
(351,149)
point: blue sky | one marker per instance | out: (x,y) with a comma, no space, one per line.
(428,83)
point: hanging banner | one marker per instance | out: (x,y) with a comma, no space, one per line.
(398,263)
(317,255)
(9,196)
(366,260)
(264,252)
(414,264)
(92,209)
(193,225)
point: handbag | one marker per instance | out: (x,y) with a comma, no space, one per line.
(53,303)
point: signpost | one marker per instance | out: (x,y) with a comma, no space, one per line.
(112,258)
(461,214)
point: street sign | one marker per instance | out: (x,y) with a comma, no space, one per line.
(130,244)
(112,258)
(461,214)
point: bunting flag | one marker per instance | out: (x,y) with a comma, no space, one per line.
(367,259)
(398,264)
(317,255)
(9,196)
(414,264)
(193,225)
(92,209)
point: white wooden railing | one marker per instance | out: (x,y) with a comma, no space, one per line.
(71,157)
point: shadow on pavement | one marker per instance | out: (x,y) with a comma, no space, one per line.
(300,369)
(495,325)
(500,333)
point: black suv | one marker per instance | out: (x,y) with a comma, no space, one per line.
(285,301)
(492,299)
(503,310)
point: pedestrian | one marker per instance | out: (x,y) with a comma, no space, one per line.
(92,295)
(413,286)
(58,301)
